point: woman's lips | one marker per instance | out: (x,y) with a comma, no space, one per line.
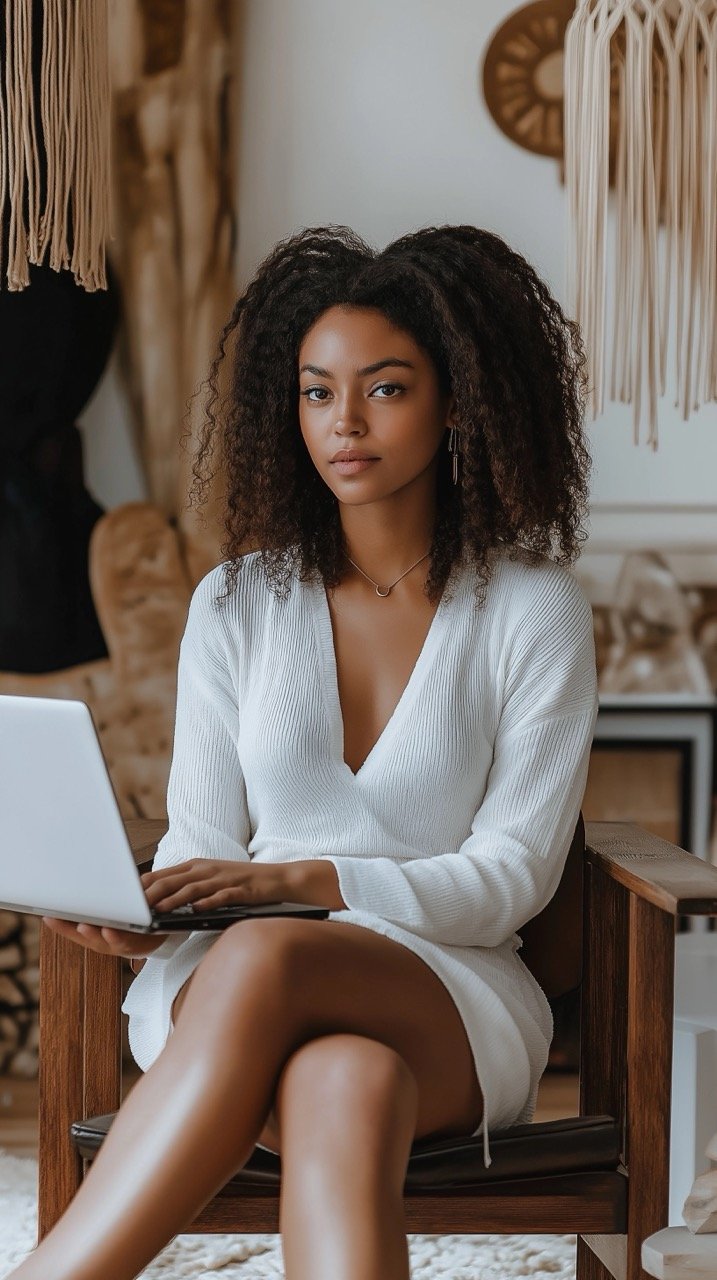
(353,468)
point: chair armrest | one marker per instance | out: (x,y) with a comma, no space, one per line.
(652,868)
(144,834)
(636,884)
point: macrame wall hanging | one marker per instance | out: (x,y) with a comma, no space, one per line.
(54,139)
(660,58)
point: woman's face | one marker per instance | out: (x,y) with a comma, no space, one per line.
(366,386)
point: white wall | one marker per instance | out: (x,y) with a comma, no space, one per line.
(373,115)
(112,464)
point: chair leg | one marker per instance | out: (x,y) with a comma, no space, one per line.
(80,1061)
(60,1081)
(649,1075)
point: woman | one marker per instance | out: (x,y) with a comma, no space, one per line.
(386,707)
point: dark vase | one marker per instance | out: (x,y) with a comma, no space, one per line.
(55,340)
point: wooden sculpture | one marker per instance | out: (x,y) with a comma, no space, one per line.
(170,67)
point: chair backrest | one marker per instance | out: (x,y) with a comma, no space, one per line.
(553,940)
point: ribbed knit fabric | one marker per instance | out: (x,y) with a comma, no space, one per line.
(452,834)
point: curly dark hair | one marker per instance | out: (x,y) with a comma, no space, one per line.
(501,345)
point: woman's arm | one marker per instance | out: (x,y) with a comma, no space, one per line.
(206,792)
(510,865)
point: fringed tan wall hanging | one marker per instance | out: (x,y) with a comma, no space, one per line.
(665,278)
(54,139)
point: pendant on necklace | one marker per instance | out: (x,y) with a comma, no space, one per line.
(382,593)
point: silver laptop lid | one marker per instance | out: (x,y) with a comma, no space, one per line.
(63,846)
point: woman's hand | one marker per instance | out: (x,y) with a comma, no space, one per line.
(208,883)
(109,942)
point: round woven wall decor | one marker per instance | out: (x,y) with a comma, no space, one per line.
(523,76)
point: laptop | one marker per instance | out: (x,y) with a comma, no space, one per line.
(64,851)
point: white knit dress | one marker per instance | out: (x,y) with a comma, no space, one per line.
(455,830)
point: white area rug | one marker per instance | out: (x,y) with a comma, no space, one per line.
(236,1257)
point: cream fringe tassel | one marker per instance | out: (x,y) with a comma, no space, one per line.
(75,123)
(666,171)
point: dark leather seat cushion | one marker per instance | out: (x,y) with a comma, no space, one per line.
(579,1144)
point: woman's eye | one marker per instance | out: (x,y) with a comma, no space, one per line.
(308,392)
(389,386)
(318,395)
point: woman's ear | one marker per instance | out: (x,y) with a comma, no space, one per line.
(451,413)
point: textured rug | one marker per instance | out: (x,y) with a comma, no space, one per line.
(237,1257)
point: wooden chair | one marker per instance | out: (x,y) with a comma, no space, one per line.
(603,1175)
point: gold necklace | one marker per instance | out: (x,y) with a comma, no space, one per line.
(379,592)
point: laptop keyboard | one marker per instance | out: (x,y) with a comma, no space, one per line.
(188,910)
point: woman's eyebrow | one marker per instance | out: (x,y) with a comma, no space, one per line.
(370,368)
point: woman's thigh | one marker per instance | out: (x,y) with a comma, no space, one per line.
(346,978)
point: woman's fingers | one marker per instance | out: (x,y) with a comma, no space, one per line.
(227,897)
(165,887)
(212,882)
(180,871)
(123,942)
(89,935)
(103,938)
(189,893)
(193,886)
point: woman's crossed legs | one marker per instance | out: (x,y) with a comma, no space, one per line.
(354,1045)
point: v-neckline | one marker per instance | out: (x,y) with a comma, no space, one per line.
(330,680)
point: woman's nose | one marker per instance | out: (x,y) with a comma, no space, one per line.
(349,409)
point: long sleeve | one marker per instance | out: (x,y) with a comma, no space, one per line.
(206,793)
(510,865)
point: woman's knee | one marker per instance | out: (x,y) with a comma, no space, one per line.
(257,944)
(345,1084)
(250,963)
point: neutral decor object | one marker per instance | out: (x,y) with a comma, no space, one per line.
(665,52)
(681,1253)
(700,1211)
(675,1254)
(653,648)
(54,139)
(602,1175)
